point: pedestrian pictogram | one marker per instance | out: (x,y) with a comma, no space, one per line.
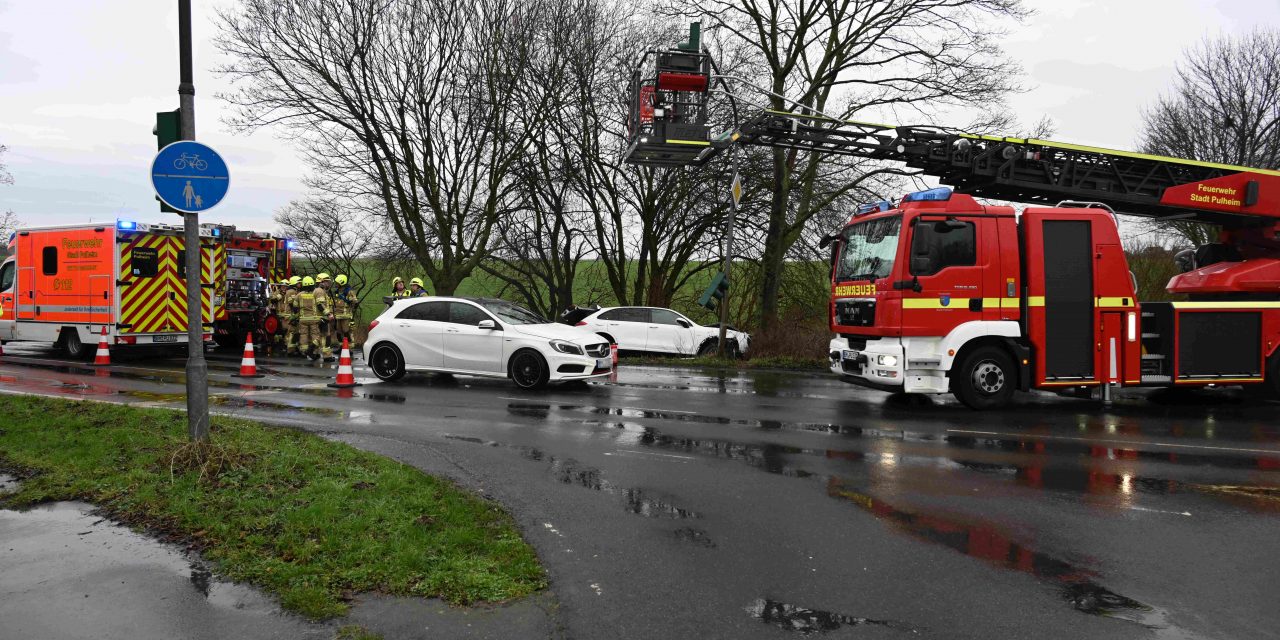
(189,176)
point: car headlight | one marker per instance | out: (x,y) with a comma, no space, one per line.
(566,347)
(887,361)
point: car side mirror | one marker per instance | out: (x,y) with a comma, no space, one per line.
(684,323)
(487,324)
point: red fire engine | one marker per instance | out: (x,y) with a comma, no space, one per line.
(65,284)
(254,262)
(939,293)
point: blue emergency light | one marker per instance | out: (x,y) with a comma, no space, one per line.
(290,245)
(937,194)
(871,207)
(126,225)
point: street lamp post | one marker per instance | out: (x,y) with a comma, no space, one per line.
(197,369)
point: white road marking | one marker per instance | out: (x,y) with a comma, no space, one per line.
(1174,513)
(649,453)
(552,405)
(1107,442)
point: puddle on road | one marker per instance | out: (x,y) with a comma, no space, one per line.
(806,621)
(1099,451)
(62,557)
(569,471)
(694,536)
(989,544)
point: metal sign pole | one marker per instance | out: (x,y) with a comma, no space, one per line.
(197,369)
(735,191)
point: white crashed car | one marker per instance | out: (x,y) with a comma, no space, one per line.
(658,330)
(481,337)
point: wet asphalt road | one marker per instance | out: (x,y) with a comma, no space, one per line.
(681,503)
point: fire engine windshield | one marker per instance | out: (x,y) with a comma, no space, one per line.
(869,249)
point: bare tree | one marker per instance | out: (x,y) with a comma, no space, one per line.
(8,219)
(840,57)
(1224,107)
(421,105)
(337,238)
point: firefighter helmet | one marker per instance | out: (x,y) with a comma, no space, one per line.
(340,279)
(322,277)
(417,281)
(293,282)
(308,282)
(395,280)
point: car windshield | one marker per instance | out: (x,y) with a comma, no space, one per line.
(512,313)
(869,249)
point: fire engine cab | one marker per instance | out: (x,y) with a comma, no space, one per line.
(65,284)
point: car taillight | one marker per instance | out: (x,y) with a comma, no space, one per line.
(126,340)
(208,337)
(581,324)
(373,324)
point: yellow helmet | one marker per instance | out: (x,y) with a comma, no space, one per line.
(322,277)
(341,279)
(293,282)
(396,279)
(308,282)
(417,281)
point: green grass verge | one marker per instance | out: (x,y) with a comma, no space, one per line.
(712,362)
(306,519)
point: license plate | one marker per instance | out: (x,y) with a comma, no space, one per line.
(603,363)
(850,354)
(164,338)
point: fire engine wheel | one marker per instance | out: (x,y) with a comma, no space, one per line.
(985,379)
(386,362)
(528,369)
(70,343)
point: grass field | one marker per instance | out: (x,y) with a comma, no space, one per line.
(302,517)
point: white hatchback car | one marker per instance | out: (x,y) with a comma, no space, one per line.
(481,337)
(660,330)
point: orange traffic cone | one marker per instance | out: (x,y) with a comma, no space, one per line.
(103,357)
(346,377)
(248,366)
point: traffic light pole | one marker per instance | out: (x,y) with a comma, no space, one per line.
(197,369)
(728,256)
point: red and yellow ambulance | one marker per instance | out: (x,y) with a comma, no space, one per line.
(65,284)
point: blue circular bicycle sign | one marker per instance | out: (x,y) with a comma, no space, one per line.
(190,176)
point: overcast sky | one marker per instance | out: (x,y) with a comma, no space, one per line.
(81,80)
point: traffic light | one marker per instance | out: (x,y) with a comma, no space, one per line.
(167,131)
(715,292)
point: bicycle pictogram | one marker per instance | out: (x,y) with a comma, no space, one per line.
(190,160)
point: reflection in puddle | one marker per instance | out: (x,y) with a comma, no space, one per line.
(806,621)
(570,471)
(987,543)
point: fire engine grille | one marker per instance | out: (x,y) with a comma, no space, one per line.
(856,313)
(598,350)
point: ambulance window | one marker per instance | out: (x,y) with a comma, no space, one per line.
(49,258)
(6,276)
(144,262)
(939,244)
(182,264)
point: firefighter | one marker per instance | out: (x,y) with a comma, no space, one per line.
(397,288)
(311,307)
(327,322)
(416,290)
(344,306)
(290,317)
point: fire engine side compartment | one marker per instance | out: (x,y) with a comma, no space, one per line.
(1082,316)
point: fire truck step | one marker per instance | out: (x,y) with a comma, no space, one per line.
(1153,356)
(1150,336)
(1156,379)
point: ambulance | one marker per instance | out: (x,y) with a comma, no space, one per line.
(65,284)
